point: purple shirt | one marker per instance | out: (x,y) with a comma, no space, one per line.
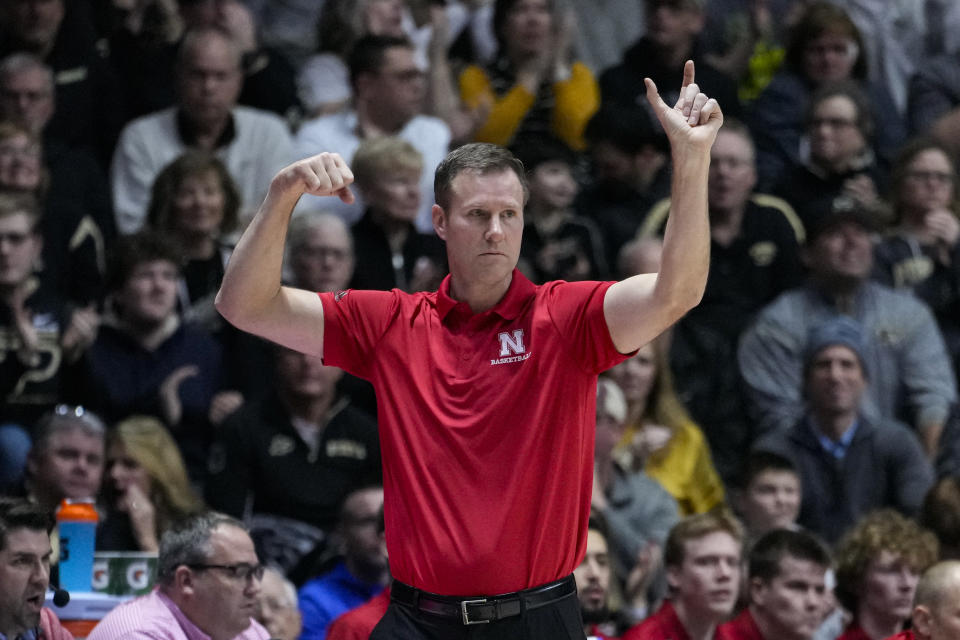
(156,617)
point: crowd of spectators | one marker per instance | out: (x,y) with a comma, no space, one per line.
(814,385)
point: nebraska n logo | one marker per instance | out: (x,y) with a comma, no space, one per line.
(512,348)
(511,343)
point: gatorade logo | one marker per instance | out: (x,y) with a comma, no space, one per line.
(138,576)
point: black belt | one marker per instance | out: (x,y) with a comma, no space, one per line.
(482,609)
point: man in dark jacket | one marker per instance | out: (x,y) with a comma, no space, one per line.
(848,465)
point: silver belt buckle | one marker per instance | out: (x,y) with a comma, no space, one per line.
(466,615)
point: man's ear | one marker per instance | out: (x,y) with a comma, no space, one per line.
(758,591)
(183,579)
(439,221)
(923,620)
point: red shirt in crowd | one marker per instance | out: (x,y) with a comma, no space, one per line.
(486,425)
(854,632)
(743,627)
(358,623)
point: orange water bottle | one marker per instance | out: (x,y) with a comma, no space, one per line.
(77,527)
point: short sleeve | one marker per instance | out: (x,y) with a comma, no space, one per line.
(576,310)
(354,321)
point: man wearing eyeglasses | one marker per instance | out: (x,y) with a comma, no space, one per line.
(208,580)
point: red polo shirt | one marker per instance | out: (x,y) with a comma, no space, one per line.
(903,635)
(663,625)
(854,632)
(486,426)
(743,627)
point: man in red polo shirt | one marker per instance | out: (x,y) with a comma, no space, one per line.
(486,388)
(936,611)
(786,589)
(702,556)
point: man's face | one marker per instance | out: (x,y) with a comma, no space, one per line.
(835,138)
(395,194)
(732,172)
(673,23)
(793,603)
(305,376)
(708,579)
(20,163)
(24,577)
(593,575)
(149,296)
(71,465)
(928,182)
(527,28)
(829,58)
(34,23)
(365,544)
(26,98)
(552,185)
(209,80)
(324,260)
(384,17)
(835,381)
(889,585)
(942,620)
(278,612)
(20,249)
(221,603)
(399,88)
(843,254)
(772,501)
(482,226)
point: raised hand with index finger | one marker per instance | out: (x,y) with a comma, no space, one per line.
(694,119)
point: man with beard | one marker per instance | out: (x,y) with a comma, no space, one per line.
(593,583)
(361,575)
(25,572)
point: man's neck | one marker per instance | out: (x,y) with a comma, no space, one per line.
(366,574)
(372,123)
(151,336)
(674,57)
(834,425)
(206,134)
(766,627)
(479,296)
(726,224)
(197,246)
(878,624)
(697,627)
(395,230)
(310,409)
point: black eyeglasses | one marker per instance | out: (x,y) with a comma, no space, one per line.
(243,570)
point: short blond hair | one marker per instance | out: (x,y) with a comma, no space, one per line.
(380,155)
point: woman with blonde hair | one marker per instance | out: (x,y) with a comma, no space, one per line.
(661,438)
(146,488)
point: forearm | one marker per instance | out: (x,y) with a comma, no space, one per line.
(685,261)
(930,438)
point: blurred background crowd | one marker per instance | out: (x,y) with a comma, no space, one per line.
(815,383)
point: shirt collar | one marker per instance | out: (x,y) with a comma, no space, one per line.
(837,448)
(509,308)
(188,133)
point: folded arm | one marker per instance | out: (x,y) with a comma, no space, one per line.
(251,296)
